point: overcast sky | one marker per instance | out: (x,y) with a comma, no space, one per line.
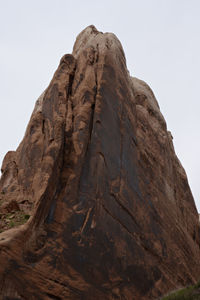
(161,40)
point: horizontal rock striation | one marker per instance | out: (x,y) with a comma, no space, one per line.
(111,212)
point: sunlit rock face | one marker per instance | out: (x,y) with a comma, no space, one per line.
(111,212)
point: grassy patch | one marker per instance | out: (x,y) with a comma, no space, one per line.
(188,293)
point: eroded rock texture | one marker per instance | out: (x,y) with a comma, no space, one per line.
(112,215)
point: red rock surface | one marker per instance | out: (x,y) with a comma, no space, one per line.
(112,214)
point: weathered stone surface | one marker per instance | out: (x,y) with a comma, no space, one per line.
(112,215)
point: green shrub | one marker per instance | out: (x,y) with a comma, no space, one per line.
(188,293)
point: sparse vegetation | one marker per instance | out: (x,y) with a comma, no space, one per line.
(13,219)
(188,293)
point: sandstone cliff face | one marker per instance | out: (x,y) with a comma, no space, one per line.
(112,215)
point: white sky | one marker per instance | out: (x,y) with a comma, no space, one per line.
(161,40)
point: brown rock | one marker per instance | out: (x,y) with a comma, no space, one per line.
(9,207)
(113,216)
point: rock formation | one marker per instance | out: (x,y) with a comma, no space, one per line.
(111,212)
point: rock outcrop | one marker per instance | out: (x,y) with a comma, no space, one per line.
(111,212)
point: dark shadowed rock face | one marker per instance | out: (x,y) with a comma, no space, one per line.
(112,215)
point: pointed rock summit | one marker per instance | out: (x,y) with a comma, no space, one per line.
(94,202)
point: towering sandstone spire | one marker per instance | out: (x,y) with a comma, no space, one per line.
(112,214)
